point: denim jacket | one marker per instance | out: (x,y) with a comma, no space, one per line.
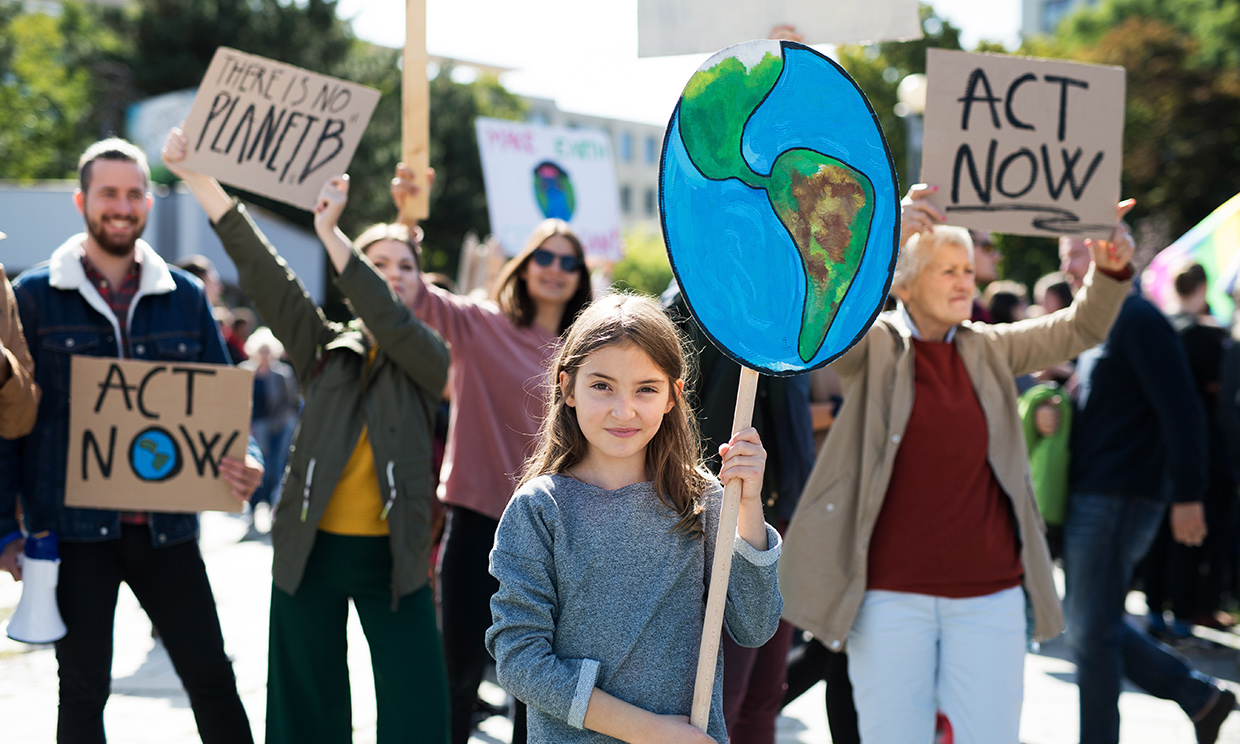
(63,315)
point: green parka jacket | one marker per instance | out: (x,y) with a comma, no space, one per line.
(396,400)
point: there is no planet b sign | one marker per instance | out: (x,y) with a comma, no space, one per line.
(779,204)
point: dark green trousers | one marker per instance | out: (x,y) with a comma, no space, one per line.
(308,698)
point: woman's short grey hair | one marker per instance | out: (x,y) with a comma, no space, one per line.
(919,248)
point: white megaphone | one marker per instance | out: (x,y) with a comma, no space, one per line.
(37,618)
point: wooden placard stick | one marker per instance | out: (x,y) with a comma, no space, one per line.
(717,595)
(415,111)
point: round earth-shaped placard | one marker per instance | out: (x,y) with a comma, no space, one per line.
(779,205)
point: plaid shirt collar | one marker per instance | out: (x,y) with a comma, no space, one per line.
(118,297)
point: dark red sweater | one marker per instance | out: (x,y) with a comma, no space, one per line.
(946,528)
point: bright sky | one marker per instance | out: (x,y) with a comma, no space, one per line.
(584,54)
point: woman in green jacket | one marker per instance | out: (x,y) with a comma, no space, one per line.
(355,520)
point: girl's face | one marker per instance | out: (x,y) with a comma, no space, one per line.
(620,397)
(396,263)
(552,283)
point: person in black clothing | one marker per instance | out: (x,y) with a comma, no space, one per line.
(1138,445)
(1189,580)
(754,678)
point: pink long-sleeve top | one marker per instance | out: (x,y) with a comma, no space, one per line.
(496,383)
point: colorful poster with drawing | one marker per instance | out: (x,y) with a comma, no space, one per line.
(780,206)
(534,172)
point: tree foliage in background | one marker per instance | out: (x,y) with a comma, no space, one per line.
(175,39)
(1181,142)
(310,35)
(59,80)
(644,267)
(458,200)
(879,68)
(1181,147)
(68,80)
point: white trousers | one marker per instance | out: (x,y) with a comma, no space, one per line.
(912,654)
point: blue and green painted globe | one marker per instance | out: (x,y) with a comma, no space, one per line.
(155,455)
(779,204)
(553,190)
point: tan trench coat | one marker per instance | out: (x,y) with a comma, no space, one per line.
(822,571)
(19,397)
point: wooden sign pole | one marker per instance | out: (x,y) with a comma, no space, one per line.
(415,113)
(717,596)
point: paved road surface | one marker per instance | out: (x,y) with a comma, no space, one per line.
(148,705)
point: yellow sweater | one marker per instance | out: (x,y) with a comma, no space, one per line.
(357,501)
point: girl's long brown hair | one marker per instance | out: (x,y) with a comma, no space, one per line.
(674,455)
(513,295)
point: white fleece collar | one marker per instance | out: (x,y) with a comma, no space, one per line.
(65,268)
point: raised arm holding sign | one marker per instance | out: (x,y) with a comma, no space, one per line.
(355,520)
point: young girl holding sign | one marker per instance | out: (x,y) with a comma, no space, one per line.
(603,554)
(355,522)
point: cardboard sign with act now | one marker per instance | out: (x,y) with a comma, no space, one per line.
(1024,146)
(149,436)
(274,129)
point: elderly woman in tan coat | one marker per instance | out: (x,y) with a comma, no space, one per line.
(917,543)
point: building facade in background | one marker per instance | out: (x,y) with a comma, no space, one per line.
(1041,17)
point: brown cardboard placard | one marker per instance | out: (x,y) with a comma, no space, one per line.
(275,129)
(148,436)
(1024,146)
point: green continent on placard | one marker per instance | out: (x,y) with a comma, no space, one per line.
(714,109)
(826,206)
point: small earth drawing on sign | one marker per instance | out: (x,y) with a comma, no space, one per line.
(155,455)
(554,191)
(779,205)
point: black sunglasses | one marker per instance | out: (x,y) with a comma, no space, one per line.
(544,257)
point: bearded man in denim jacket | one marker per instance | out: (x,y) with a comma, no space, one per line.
(106,293)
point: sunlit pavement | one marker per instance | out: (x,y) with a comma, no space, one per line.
(148,705)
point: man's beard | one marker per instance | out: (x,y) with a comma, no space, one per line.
(115,248)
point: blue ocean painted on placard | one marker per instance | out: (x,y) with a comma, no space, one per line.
(780,206)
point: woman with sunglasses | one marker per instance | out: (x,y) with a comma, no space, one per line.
(500,349)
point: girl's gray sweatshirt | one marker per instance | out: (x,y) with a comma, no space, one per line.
(596,590)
